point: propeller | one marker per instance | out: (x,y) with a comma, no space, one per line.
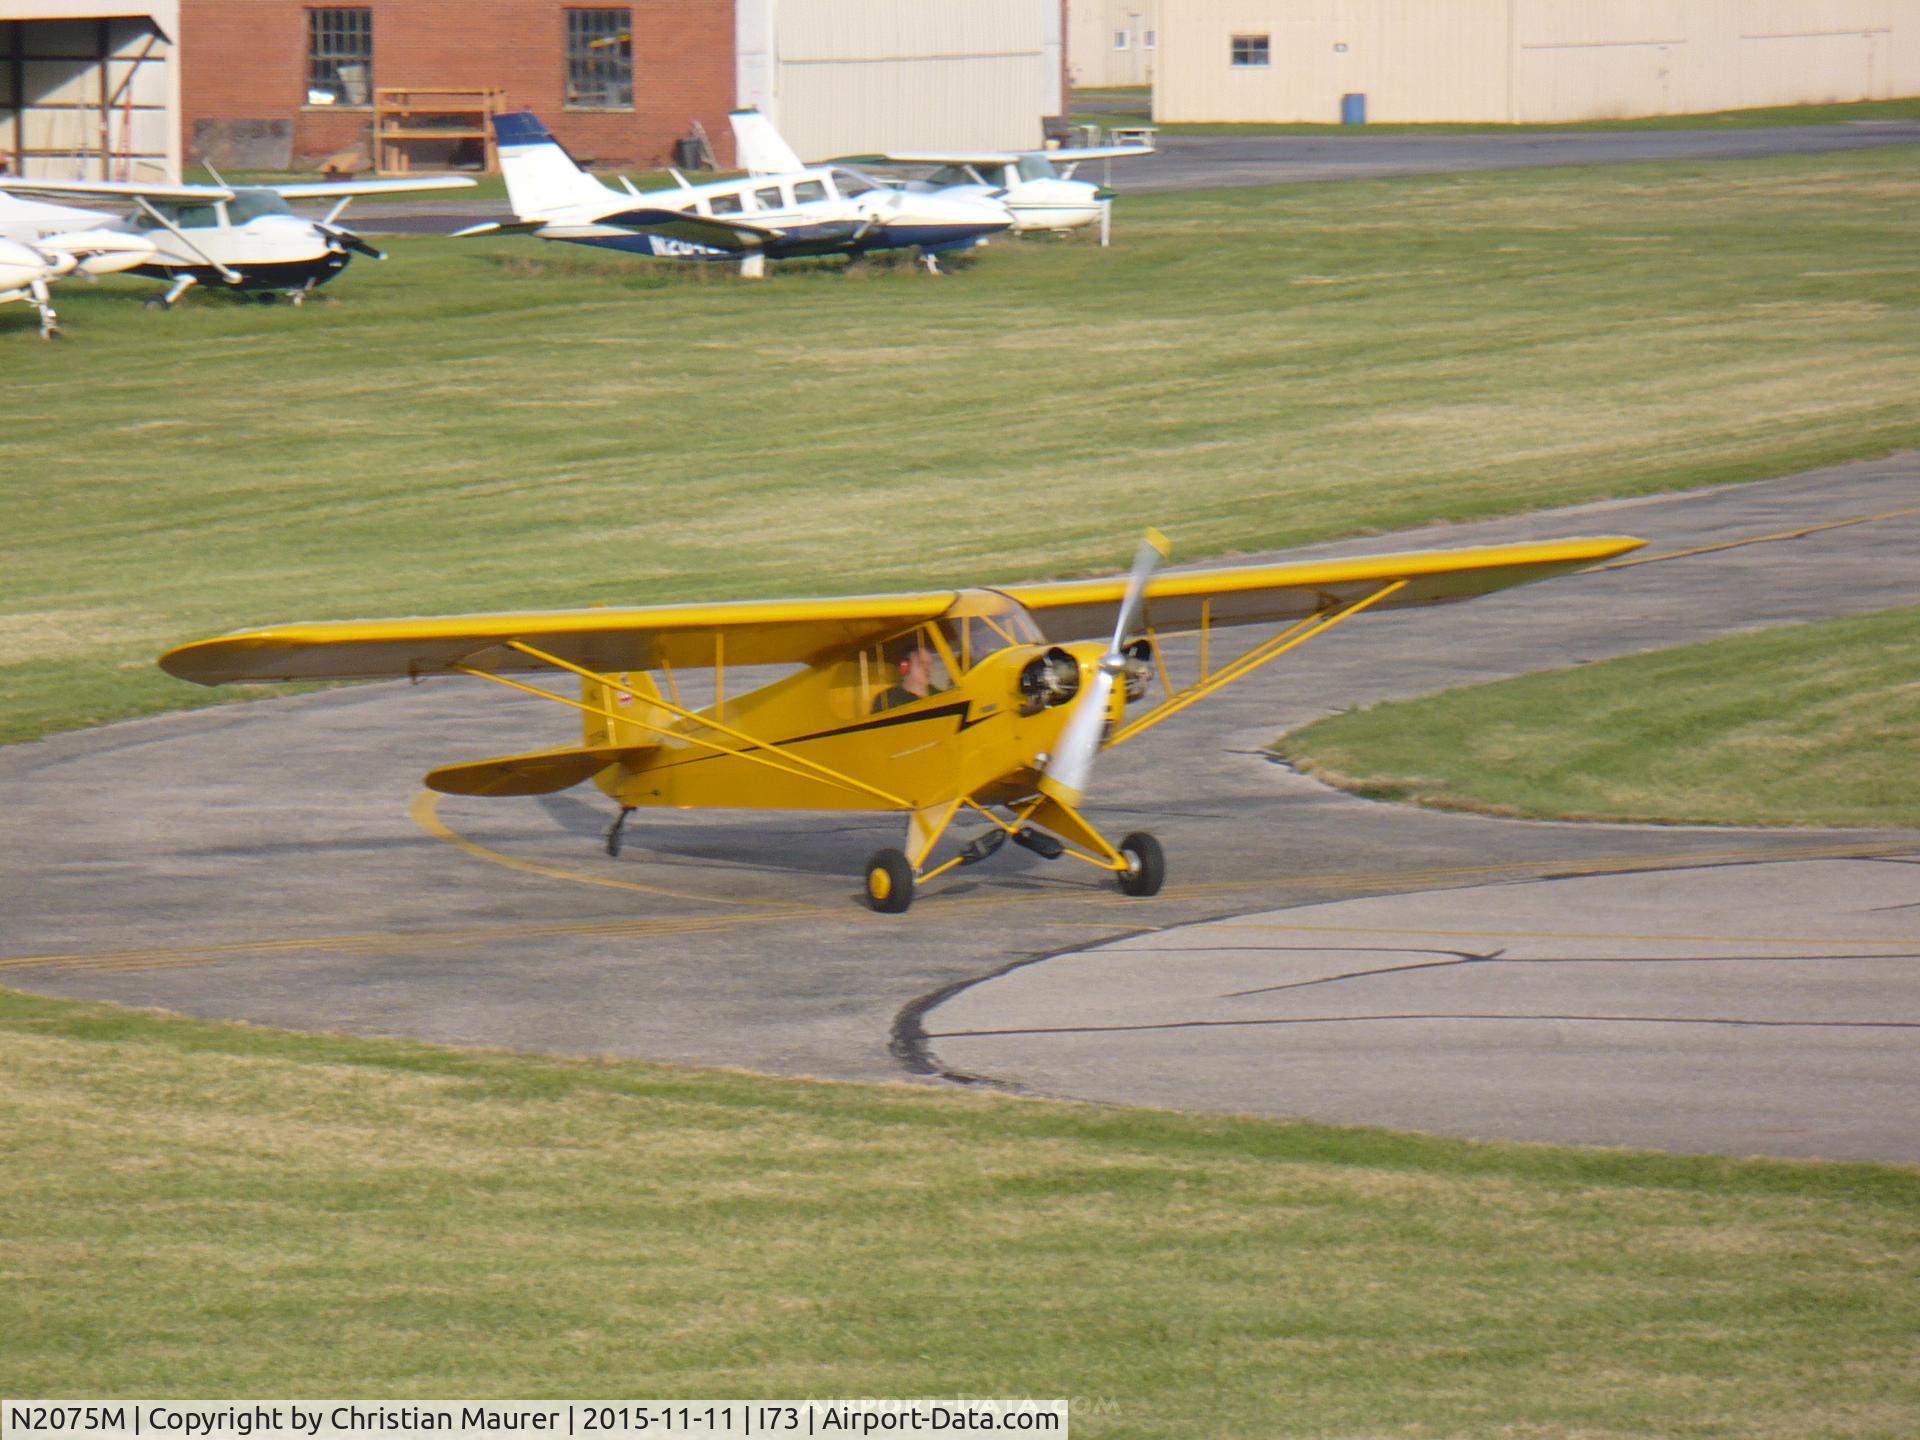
(1065,779)
(347,240)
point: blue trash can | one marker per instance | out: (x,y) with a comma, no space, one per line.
(1353,109)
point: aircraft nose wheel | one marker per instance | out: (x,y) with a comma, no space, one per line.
(1146,864)
(889,882)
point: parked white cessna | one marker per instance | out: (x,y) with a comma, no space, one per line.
(1036,185)
(43,243)
(246,238)
(785,210)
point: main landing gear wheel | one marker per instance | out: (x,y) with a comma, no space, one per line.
(1146,864)
(889,882)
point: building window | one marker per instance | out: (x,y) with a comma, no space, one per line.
(1119,39)
(340,57)
(1249,50)
(1148,42)
(600,59)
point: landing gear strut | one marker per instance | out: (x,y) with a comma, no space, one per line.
(614,834)
(180,286)
(43,302)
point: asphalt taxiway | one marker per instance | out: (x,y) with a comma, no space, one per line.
(277,862)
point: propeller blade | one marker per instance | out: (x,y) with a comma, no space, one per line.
(1066,775)
(347,240)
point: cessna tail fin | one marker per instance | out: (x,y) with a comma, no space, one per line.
(542,177)
(758,147)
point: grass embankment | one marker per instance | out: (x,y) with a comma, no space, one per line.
(494,424)
(1133,105)
(1806,724)
(205,1210)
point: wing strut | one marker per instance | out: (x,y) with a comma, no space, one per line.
(788,762)
(227,273)
(1319,622)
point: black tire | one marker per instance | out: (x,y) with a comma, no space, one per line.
(889,882)
(1146,864)
(156,304)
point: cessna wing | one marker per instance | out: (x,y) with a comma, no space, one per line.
(1002,157)
(129,190)
(340,189)
(159,194)
(1258,594)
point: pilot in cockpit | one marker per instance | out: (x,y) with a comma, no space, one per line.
(917,679)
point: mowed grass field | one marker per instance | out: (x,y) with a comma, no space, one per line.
(495,424)
(1799,725)
(212,1210)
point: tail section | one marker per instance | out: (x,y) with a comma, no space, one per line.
(542,177)
(758,147)
(622,714)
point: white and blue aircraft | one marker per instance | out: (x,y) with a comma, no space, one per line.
(783,211)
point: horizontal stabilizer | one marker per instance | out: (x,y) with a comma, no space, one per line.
(498,227)
(540,772)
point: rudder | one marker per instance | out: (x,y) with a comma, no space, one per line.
(541,176)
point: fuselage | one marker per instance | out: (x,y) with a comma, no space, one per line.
(1038,197)
(821,211)
(255,236)
(978,731)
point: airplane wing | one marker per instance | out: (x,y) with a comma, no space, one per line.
(119,190)
(712,231)
(938,157)
(1257,594)
(607,641)
(1094,152)
(339,189)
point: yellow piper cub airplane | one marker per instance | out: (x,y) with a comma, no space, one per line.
(992,701)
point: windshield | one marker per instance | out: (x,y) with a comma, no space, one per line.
(984,622)
(852,183)
(1037,167)
(252,204)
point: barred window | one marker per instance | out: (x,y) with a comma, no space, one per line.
(600,59)
(1250,50)
(340,56)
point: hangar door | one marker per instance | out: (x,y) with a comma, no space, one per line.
(848,76)
(86,97)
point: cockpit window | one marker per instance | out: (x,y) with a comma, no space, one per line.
(964,175)
(852,183)
(1036,167)
(769,198)
(252,204)
(727,205)
(186,217)
(807,191)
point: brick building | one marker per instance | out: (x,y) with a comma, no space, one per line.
(621,84)
(618,83)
